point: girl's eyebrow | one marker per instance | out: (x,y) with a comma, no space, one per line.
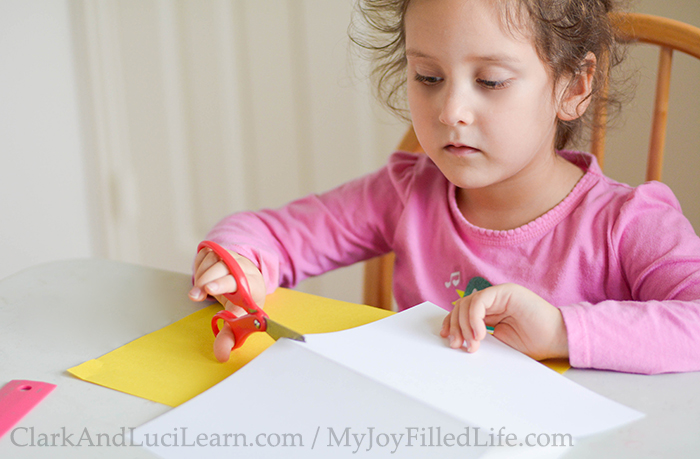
(488,58)
(416,53)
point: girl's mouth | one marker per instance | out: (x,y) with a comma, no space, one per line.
(459,149)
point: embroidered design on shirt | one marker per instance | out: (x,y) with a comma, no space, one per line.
(455,279)
(475,284)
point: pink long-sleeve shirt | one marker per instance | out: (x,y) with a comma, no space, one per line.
(621,263)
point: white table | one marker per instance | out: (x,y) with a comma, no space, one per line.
(58,315)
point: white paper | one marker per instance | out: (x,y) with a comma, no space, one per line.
(392,388)
(494,386)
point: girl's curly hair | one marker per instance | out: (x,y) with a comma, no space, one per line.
(563,32)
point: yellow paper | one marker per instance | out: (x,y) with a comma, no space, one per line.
(176,363)
(558,365)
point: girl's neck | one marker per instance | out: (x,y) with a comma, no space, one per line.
(521,199)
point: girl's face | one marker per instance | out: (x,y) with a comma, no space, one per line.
(481,100)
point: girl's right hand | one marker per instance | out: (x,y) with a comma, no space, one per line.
(212,277)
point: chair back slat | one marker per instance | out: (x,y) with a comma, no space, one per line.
(658,31)
(657,138)
(409,142)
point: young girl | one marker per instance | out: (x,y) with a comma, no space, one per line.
(582,267)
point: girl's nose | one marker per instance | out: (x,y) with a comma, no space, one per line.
(456,109)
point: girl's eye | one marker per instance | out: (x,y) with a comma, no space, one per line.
(428,80)
(492,84)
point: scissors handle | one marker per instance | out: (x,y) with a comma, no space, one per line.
(241,327)
(241,296)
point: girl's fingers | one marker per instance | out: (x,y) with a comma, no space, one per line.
(209,261)
(445,330)
(200,257)
(234,308)
(215,288)
(214,281)
(223,343)
(465,325)
(217,278)
(456,336)
(476,318)
(477,325)
(196,293)
(221,285)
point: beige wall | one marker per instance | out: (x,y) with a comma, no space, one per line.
(112,112)
(628,141)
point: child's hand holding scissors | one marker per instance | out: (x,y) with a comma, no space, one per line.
(212,277)
(521,319)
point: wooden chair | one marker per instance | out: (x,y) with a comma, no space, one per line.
(669,35)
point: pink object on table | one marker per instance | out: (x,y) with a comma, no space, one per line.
(17,398)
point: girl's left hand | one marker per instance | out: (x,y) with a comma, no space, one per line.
(521,319)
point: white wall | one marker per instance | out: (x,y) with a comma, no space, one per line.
(43,197)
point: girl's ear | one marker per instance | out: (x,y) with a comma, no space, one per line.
(576,95)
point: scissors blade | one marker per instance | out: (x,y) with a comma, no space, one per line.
(277,331)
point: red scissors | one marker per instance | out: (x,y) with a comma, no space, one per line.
(256,320)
